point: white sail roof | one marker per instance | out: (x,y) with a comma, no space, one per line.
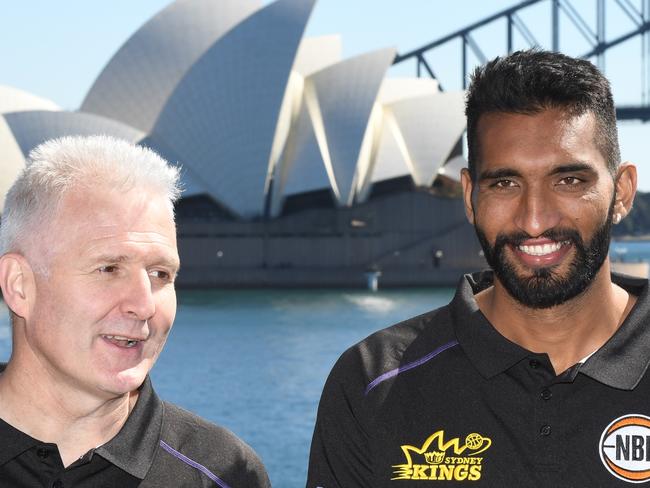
(11,159)
(31,128)
(223,114)
(302,168)
(15,100)
(340,99)
(395,89)
(138,80)
(453,167)
(430,126)
(315,53)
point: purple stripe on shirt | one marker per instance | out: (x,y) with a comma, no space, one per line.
(414,364)
(194,464)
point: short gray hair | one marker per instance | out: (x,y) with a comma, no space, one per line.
(59,165)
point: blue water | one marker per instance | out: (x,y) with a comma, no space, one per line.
(256,361)
(630,251)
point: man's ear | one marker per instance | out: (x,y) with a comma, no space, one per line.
(468,186)
(17,283)
(625,190)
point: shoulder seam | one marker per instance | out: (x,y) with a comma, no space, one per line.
(413,364)
(194,464)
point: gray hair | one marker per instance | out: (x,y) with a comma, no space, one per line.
(60,165)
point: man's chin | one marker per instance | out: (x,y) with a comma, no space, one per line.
(542,288)
(126,381)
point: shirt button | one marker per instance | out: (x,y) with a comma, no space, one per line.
(42,452)
(545,430)
(533,363)
(546,394)
(57,484)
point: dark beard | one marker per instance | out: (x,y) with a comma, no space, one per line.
(545,288)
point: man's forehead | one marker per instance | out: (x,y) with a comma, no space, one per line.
(568,139)
(95,219)
(107,234)
(103,208)
(141,248)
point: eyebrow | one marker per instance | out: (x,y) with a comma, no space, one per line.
(111,258)
(512,173)
(498,173)
(121,258)
(572,168)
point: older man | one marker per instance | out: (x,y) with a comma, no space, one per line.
(87,270)
(535,374)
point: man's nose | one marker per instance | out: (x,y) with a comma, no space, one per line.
(138,297)
(537,212)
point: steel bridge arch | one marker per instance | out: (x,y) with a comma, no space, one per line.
(595,35)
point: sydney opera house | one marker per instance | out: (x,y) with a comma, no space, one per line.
(300,168)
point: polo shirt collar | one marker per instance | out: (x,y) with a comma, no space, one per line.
(14,442)
(487,349)
(620,363)
(134,447)
(623,360)
(131,450)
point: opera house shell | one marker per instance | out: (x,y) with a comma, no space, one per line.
(300,168)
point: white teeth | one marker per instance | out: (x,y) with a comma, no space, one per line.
(542,249)
(125,340)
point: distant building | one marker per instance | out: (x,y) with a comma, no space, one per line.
(300,168)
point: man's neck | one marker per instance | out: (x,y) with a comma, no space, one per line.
(568,332)
(75,421)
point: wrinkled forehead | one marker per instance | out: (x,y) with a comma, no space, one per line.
(85,215)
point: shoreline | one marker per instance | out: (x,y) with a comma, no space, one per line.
(627,238)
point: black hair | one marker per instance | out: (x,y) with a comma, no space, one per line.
(528,82)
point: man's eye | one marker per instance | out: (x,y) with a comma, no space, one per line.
(570,180)
(504,184)
(160,274)
(110,268)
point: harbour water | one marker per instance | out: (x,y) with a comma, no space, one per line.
(630,251)
(255,361)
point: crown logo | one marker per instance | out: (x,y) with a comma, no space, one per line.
(434,457)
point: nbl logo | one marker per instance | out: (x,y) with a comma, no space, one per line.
(625,448)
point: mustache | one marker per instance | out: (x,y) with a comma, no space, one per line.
(517,238)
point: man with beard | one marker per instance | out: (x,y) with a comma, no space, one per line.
(535,374)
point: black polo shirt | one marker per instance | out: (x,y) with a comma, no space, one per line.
(444,400)
(160,445)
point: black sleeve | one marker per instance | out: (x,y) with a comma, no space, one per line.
(340,456)
(255,472)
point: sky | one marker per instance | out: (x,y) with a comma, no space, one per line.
(56,49)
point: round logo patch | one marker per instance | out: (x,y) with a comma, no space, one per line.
(625,448)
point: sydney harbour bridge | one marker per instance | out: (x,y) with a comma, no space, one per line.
(606,31)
